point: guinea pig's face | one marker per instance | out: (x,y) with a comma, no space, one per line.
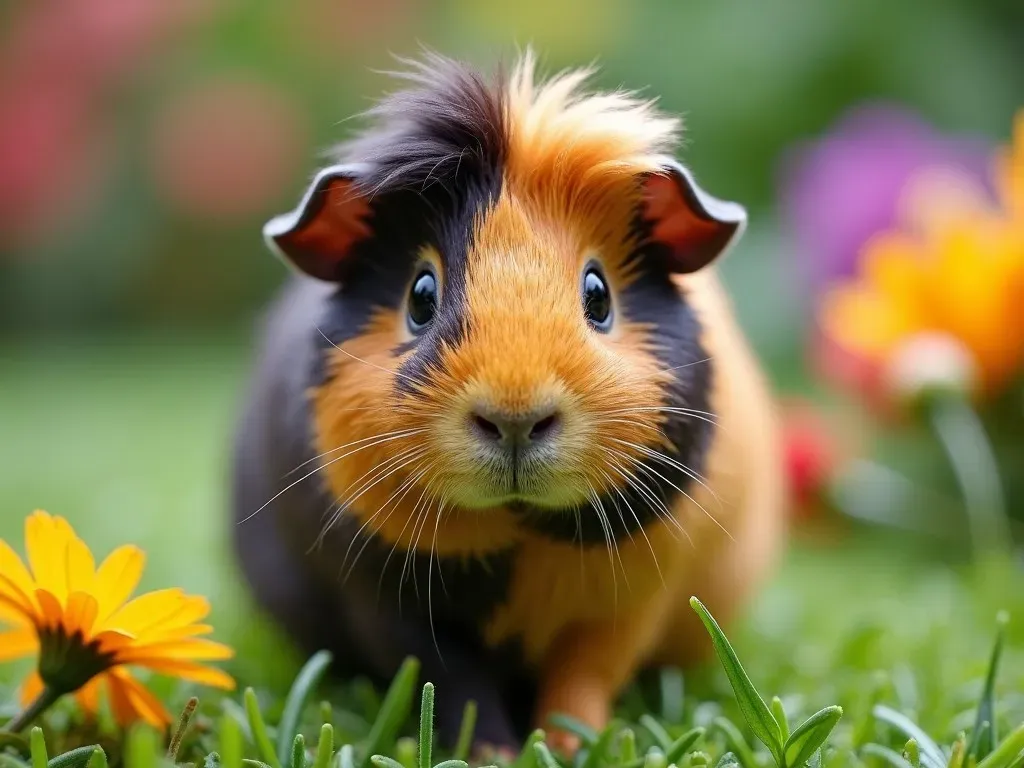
(509,333)
(543,381)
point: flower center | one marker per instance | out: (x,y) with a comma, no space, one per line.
(67,662)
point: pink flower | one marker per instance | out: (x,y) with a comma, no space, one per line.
(59,65)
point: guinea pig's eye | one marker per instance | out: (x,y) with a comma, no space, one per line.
(422,300)
(597,299)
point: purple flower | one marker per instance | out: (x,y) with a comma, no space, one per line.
(840,190)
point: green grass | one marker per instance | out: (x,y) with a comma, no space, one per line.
(128,440)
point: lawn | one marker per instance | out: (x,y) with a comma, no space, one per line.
(127,438)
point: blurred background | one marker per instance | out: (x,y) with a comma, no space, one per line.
(143,143)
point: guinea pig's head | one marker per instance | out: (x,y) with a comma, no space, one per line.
(509,337)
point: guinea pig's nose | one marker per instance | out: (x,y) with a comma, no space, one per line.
(515,430)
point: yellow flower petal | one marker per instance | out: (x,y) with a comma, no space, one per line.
(144,703)
(190,630)
(18,643)
(14,571)
(88,696)
(188,670)
(117,578)
(50,609)
(148,615)
(140,612)
(206,650)
(80,614)
(120,704)
(16,603)
(46,542)
(31,688)
(112,641)
(81,568)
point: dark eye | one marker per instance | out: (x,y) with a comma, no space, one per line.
(422,300)
(597,300)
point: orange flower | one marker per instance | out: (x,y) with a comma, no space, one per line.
(79,619)
(944,297)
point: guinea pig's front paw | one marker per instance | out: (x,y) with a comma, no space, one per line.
(485,753)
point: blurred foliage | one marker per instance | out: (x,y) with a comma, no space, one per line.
(149,211)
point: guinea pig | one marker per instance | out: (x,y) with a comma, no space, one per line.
(503,418)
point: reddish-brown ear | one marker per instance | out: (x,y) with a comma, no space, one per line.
(695,227)
(318,236)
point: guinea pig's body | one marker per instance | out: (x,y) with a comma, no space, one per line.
(510,426)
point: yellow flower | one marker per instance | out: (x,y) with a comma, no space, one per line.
(954,272)
(86,630)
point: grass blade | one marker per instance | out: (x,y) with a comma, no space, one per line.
(673,691)
(931,755)
(544,757)
(77,758)
(779,713)
(657,731)
(759,718)
(452,764)
(324,747)
(890,756)
(259,729)
(346,757)
(466,730)
(426,744)
(810,735)
(736,743)
(627,746)
(1005,755)
(983,740)
(98,758)
(298,759)
(679,747)
(305,682)
(382,761)
(230,743)
(394,711)
(37,746)
(597,753)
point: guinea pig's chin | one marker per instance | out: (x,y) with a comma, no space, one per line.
(483,496)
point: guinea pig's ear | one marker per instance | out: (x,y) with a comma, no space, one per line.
(695,227)
(318,236)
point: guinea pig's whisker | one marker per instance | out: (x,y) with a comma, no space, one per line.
(710,418)
(398,539)
(397,433)
(395,499)
(367,362)
(430,585)
(666,459)
(380,472)
(610,542)
(349,495)
(420,510)
(679,367)
(383,473)
(618,492)
(699,506)
(656,504)
(377,441)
